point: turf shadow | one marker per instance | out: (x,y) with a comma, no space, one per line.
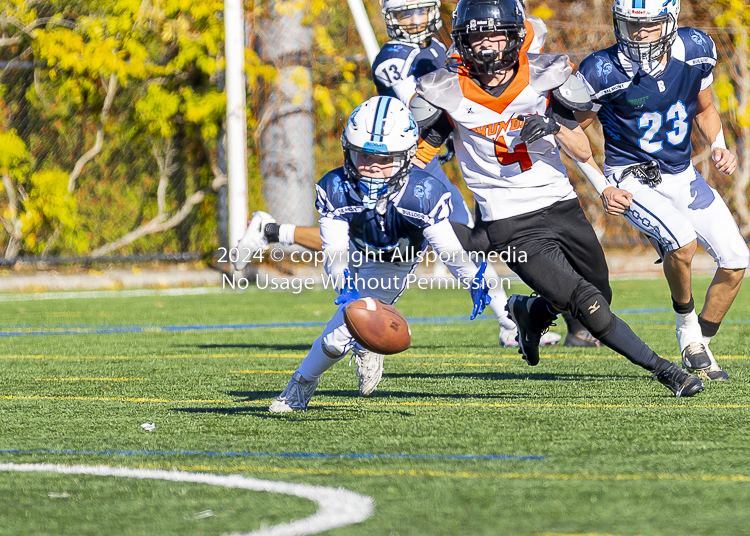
(281,347)
(262,413)
(500,376)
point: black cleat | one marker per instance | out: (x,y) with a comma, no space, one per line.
(528,337)
(581,339)
(681,383)
(695,357)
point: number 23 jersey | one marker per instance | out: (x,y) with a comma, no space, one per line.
(507,176)
(648,117)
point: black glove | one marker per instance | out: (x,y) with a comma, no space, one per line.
(450,151)
(537,126)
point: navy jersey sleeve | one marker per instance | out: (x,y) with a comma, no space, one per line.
(425,200)
(393,65)
(700,50)
(596,73)
(334,197)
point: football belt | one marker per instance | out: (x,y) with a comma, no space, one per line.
(647,173)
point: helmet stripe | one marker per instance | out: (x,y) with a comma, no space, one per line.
(380,112)
(639,4)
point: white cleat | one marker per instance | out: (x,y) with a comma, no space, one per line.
(508,338)
(369,370)
(296,396)
(254,239)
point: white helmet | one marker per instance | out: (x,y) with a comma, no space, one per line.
(379,127)
(405,8)
(645,12)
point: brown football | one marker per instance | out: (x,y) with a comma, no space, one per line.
(377,326)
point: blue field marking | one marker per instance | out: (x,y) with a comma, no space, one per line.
(21,330)
(279,454)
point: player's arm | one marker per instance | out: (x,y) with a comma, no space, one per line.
(308,237)
(585,119)
(708,123)
(334,236)
(614,200)
(434,128)
(444,241)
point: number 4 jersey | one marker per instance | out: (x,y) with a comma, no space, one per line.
(649,116)
(507,177)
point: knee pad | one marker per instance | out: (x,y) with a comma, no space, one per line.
(334,349)
(590,306)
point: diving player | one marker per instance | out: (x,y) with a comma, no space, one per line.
(509,111)
(411,53)
(648,91)
(377,203)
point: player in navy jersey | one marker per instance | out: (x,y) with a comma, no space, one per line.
(649,90)
(378,206)
(412,52)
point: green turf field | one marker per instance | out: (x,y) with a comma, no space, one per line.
(584,443)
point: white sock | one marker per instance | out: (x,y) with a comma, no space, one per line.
(499,298)
(688,329)
(316,362)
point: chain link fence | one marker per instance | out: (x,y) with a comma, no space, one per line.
(111,118)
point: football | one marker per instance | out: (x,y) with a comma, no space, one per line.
(377,326)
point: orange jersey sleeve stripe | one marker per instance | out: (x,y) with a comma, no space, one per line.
(530,34)
(426,152)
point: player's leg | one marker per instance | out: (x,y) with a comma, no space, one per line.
(391,283)
(326,351)
(547,270)
(718,234)
(475,239)
(592,265)
(656,213)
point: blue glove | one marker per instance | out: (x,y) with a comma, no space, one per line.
(348,293)
(479,292)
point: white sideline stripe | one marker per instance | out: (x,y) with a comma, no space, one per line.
(110,294)
(338,507)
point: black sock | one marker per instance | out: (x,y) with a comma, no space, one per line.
(542,313)
(683,308)
(622,340)
(574,325)
(708,329)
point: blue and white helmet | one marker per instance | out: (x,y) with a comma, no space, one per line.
(629,14)
(394,10)
(380,127)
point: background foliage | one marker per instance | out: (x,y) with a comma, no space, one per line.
(111,112)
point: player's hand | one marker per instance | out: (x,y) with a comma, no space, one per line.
(348,292)
(479,292)
(537,126)
(616,201)
(724,160)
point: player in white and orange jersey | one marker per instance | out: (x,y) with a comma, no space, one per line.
(509,111)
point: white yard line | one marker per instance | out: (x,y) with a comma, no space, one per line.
(338,507)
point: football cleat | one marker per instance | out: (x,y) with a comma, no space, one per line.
(714,372)
(369,370)
(508,338)
(253,240)
(296,396)
(528,338)
(681,383)
(695,357)
(581,339)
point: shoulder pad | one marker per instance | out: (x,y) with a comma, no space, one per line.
(548,71)
(573,95)
(442,87)
(425,114)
